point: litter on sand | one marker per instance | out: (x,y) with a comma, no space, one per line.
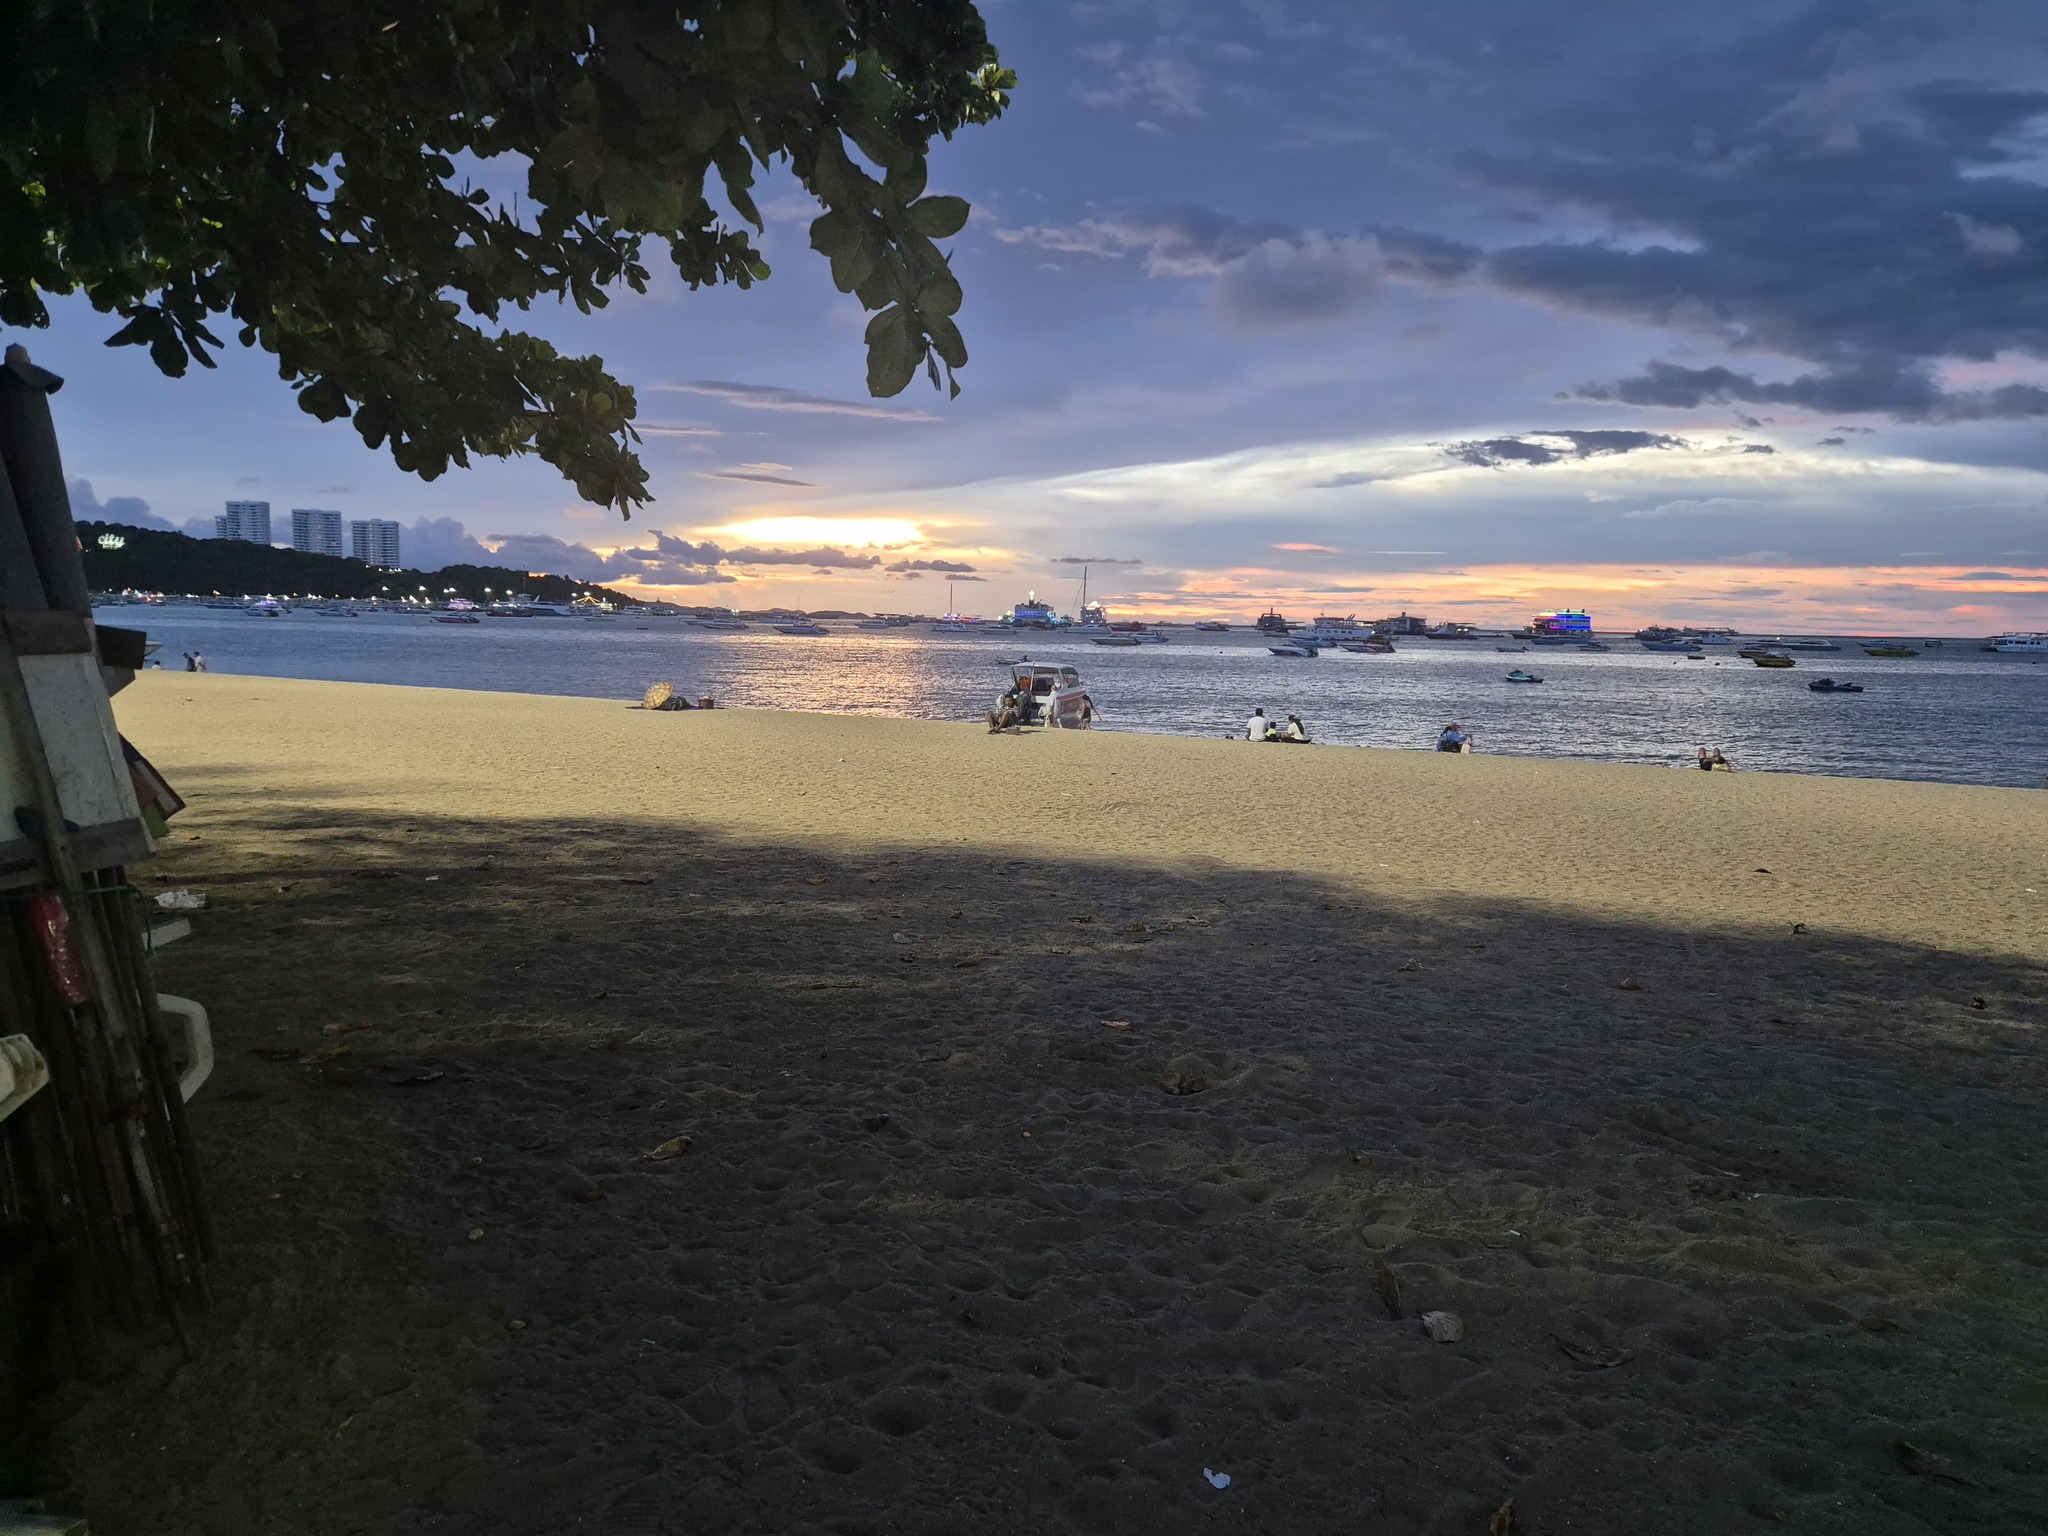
(1444,1327)
(1216,1479)
(675,1146)
(181,900)
(1116,1023)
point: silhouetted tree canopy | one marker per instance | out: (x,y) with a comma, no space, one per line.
(303,169)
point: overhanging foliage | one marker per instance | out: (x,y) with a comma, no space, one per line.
(300,169)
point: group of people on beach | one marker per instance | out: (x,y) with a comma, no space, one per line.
(1713,761)
(1259,728)
(194,662)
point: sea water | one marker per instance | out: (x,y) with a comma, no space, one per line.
(1953,713)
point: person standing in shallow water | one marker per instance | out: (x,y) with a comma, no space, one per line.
(1453,738)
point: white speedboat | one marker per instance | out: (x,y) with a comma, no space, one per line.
(1779,642)
(1297,648)
(1519,676)
(722,626)
(1150,637)
(1052,696)
(801,629)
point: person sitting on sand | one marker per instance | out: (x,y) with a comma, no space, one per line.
(1706,762)
(1258,728)
(1006,716)
(1718,763)
(1295,731)
(1453,738)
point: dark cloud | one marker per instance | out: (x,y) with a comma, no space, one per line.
(1832,442)
(1758,448)
(841,559)
(1790,190)
(1267,276)
(1907,391)
(1990,576)
(131,510)
(1551,447)
(757,476)
(951,567)
(432,542)
(770,397)
(1338,482)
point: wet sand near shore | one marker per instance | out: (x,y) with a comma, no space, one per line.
(645,1123)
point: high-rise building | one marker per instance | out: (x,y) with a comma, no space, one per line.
(315,532)
(374,541)
(247,522)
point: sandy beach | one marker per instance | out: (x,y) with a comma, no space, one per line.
(762,1122)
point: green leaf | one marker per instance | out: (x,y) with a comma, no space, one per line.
(894,351)
(937,218)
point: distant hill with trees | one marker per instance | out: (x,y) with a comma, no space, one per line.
(152,560)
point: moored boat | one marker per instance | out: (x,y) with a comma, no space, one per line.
(800,629)
(1294,648)
(1890,651)
(1519,676)
(1829,685)
(1772,659)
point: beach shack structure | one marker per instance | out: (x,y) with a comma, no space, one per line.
(102,1220)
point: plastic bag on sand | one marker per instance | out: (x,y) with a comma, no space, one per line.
(181,900)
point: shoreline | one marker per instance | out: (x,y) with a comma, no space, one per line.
(1862,854)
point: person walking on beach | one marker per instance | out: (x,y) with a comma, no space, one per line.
(1258,728)
(1453,738)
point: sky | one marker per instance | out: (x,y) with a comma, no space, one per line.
(1731,314)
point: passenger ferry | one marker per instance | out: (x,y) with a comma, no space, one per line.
(2020,643)
(1032,614)
(1329,630)
(1568,626)
(1270,623)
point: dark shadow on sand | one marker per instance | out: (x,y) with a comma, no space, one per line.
(947,1254)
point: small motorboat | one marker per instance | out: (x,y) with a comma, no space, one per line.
(722,626)
(1591,645)
(801,629)
(456,618)
(1150,637)
(1829,685)
(1212,627)
(1130,640)
(1519,676)
(1900,651)
(1511,650)
(1771,659)
(1294,648)
(1367,647)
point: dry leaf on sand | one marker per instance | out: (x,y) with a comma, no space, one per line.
(675,1146)
(1593,1357)
(1443,1327)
